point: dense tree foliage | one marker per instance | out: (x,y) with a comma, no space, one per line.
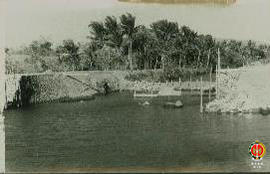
(166,45)
(120,44)
(68,53)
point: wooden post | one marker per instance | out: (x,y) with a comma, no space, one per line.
(179,83)
(216,81)
(210,84)
(20,95)
(6,103)
(189,84)
(201,103)
(218,73)
(218,59)
(14,78)
(35,98)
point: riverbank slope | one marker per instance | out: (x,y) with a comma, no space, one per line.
(23,89)
(243,90)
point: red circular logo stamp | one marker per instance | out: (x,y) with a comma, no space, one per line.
(257,150)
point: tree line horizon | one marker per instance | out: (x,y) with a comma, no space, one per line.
(121,44)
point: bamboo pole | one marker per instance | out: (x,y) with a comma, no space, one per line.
(14,78)
(218,73)
(201,103)
(218,59)
(189,84)
(210,83)
(6,103)
(20,95)
(35,98)
(216,81)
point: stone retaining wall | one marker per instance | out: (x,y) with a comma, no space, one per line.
(243,90)
(23,89)
(227,91)
(40,88)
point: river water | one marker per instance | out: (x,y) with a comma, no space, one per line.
(116,132)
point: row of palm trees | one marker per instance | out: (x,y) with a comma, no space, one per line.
(118,43)
(115,35)
(165,44)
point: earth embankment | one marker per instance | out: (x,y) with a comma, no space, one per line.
(243,90)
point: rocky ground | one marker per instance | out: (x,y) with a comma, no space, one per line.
(244,90)
(154,86)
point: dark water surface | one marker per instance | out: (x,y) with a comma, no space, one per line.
(115,131)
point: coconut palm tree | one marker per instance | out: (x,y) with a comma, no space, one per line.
(166,32)
(114,34)
(129,29)
(107,34)
(98,33)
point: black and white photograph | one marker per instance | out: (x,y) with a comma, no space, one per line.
(134,86)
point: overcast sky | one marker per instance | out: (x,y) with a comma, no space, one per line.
(28,20)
